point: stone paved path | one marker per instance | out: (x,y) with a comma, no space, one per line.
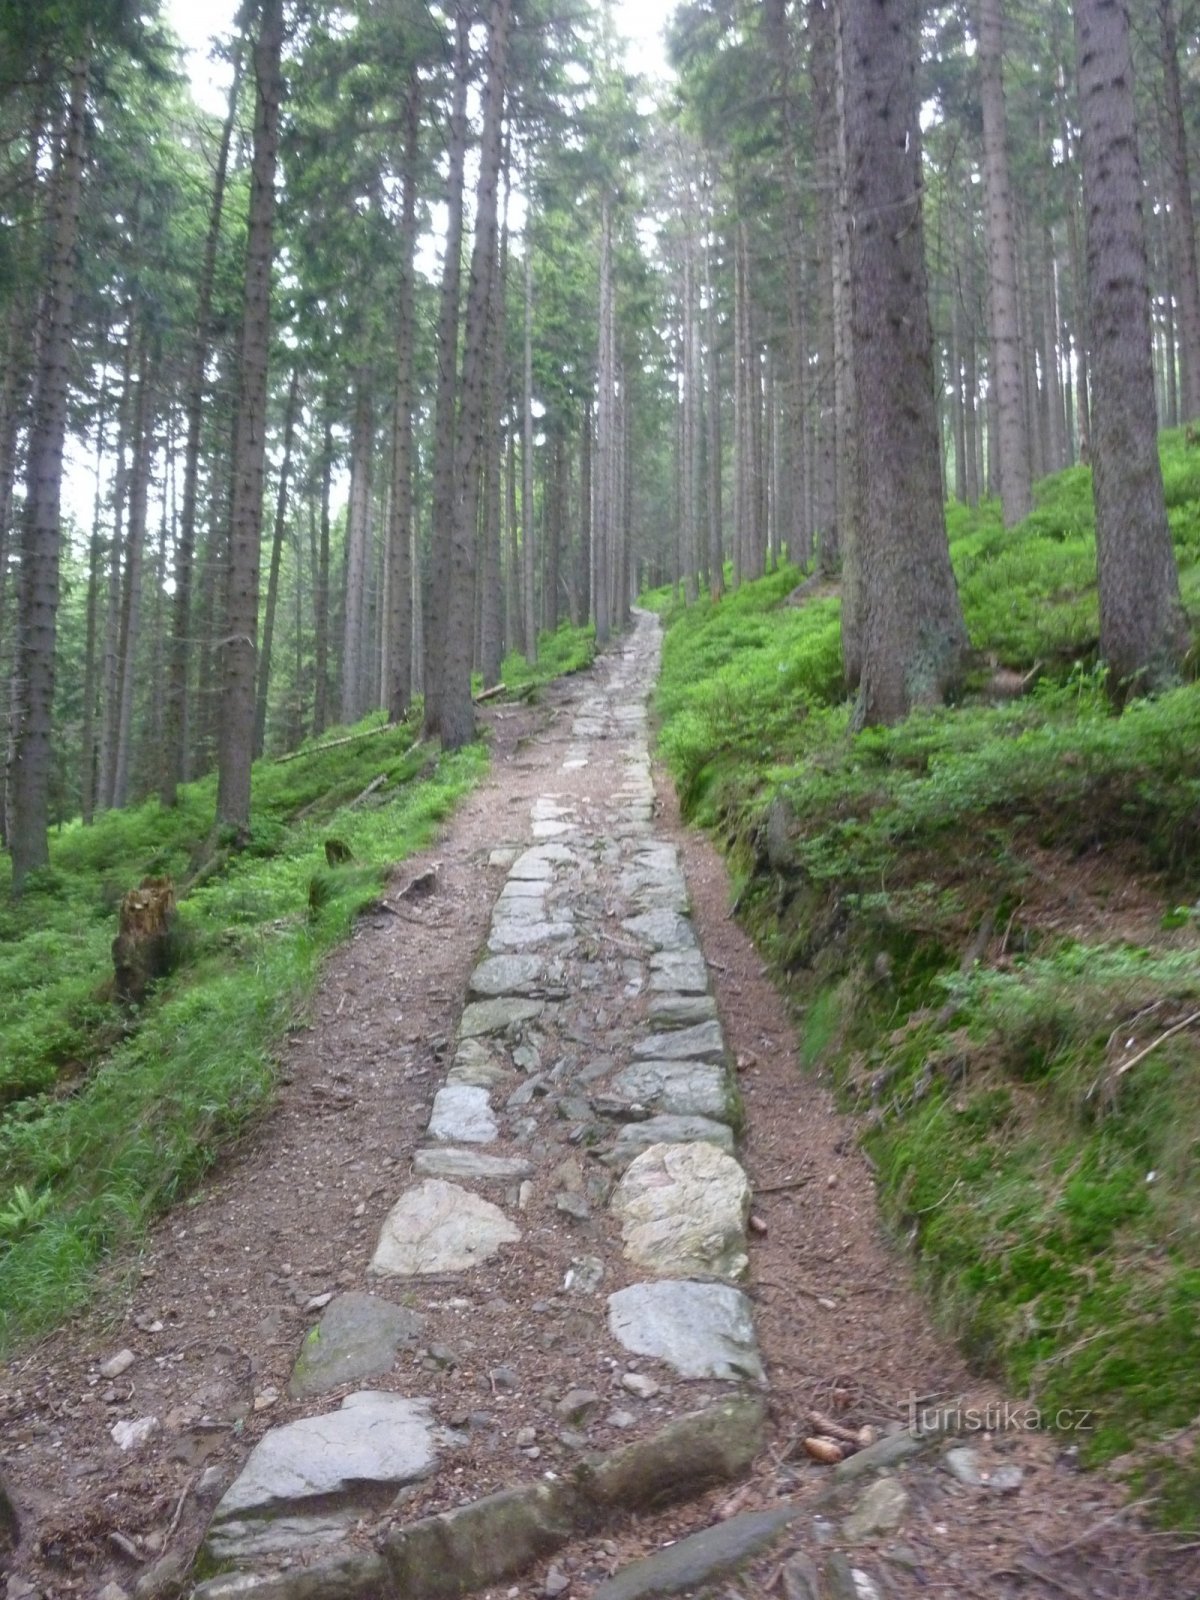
(589,1090)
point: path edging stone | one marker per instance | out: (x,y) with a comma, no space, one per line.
(485,1541)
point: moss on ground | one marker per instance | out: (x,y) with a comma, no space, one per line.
(987,921)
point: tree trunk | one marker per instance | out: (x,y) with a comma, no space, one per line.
(131,600)
(236,731)
(176,737)
(913,635)
(1182,219)
(716,553)
(446,403)
(281,503)
(400,528)
(491,642)
(1143,632)
(358,533)
(321,586)
(602,521)
(585,514)
(455,718)
(41,532)
(1012,447)
(528,552)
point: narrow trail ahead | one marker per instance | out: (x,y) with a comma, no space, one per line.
(542,1264)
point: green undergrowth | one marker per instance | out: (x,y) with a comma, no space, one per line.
(987,919)
(109,1113)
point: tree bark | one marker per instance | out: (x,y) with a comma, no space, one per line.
(446,402)
(400,610)
(358,531)
(131,599)
(455,716)
(236,730)
(913,635)
(528,543)
(281,505)
(1182,217)
(41,532)
(1012,446)
(1143,631)
(176,738)
(321,586)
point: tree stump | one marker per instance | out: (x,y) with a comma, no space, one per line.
(142,950)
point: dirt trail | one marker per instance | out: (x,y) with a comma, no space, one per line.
(513,1368)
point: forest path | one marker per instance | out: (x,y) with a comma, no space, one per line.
(450,1190)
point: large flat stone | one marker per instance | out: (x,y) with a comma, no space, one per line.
(483,1017)
(683,973)
(703,1042)
(500,975)
(703,1330)
(461,1115)
(357,1337)
(663,930)
(438,1227)
(683,1210)
(444,1161)
(510,934)
(701,1558)
(307,1482)
(681,1010)
(638,1136)
(525,889)
(541,860)
(681,1088)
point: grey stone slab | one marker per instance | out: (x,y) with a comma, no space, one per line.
(500,975)
(476,1063)
(306,1481)
(444,1161)
(881,1510)
(461,1115)
(703,1042)
(357,1337)
(439,1227)
(521,908)
(672,1010)
(679,973)
(683,1210)
(638,1136)
(679,1088)
(525,889)
(702,1330)
(483,1017)
(701,1558)
(511,935)
(664,930)
(551,830)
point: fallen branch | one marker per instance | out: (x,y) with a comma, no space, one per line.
(490,694)
(334,744)
(782,1188)
(367,792)
(1162,1039)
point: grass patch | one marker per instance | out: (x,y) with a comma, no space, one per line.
(94,1144)
(108,1115)
(988,919)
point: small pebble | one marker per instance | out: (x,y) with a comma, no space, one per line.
(116,1365)
(637,1383)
